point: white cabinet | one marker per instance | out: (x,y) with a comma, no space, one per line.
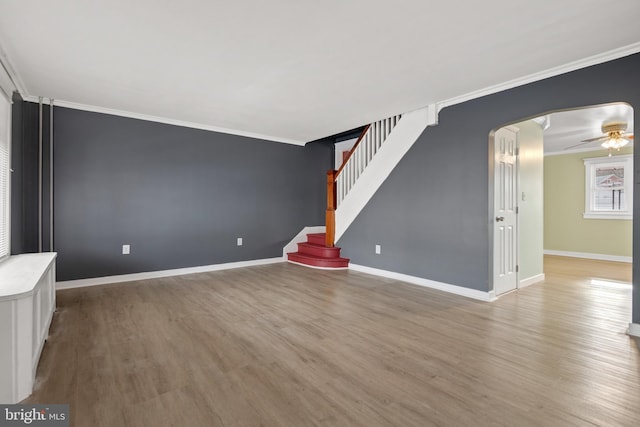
(27,302)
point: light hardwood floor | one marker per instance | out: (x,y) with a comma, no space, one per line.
(283,345)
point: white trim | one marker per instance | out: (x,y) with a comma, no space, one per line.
(634,330)
(588,255)
(151,118)
(6,85)
(625,161)
(292,246)
(543,121)
(575,150)
(446,287)
(10,71)
(607,215)
(69,284)
(531,280)
(317,267)
(432,109)
(432,114)
(551,72)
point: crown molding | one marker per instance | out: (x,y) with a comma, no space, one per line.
(582,150)
(436,108)
(551,72)
(12,74)
(151,118)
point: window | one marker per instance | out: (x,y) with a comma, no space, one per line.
(609,187)
(5,119)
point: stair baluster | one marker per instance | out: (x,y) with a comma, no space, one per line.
(340,182)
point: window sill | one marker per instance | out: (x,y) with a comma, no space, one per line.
(607,215)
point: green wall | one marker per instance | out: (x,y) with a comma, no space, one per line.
(564,227)
(531,198)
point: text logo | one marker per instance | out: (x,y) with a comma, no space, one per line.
(34,415)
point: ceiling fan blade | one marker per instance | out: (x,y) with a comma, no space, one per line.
(600,138)
(582,143)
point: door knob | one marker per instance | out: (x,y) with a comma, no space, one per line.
(499,218)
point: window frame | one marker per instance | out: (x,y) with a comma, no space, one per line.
(590,165)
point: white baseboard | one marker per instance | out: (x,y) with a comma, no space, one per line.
(588,255)
(531,280)
(634,329)
(69,284)
(292,246)
(446,287)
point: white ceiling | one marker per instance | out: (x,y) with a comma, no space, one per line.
(569,128)
(295,71)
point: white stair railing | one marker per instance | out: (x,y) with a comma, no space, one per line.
(362,154)
(378,150)
(342,181)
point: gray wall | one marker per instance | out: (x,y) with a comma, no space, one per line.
(180,197)
(432,216)
(17,192)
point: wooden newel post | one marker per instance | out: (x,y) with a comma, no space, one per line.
(331,209)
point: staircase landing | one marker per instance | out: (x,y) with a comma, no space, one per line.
(314,253)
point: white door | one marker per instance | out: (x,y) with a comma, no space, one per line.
(505,252)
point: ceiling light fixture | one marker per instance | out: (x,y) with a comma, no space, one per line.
(615,141)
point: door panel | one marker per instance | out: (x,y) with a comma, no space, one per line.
(505,254)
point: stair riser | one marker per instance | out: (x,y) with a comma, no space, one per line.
(319,251)
(314,253)
(316,240)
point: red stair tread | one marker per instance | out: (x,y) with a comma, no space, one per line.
(318,261)
(318,250)
(315,253)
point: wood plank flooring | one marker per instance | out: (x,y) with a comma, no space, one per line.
(283,345)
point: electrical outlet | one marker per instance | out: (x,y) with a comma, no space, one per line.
(126,249)
(239,241)
(378,250)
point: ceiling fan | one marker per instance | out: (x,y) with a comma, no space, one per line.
(614,137)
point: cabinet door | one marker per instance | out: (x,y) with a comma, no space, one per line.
(6,351)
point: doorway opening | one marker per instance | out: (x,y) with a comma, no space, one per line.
(571,195)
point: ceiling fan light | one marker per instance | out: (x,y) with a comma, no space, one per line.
(615,143)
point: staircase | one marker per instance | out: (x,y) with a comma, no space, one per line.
(377,151)
(314,253)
